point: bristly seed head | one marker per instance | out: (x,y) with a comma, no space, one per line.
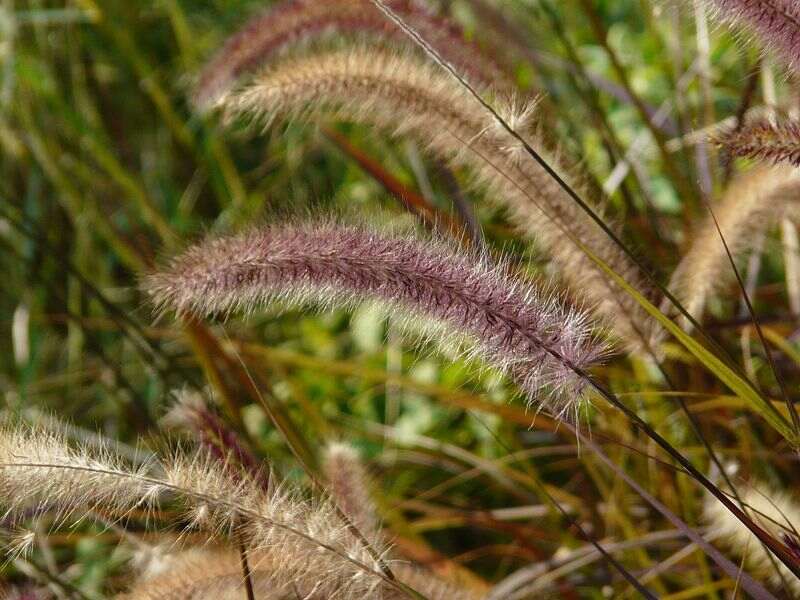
(776,511)
(762,139)
(776,22)
(306,544)
(753,202)
(513,325)
(295,22)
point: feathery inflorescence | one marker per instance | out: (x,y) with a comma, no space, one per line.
(511,324)
(407,96)
(348,486)
(65,477)
(776,22)
(217,575)
(763,139)
(309,548)
(26,593)
(778,512)
(192,412)
(754,202)
(295,22)
(206,574)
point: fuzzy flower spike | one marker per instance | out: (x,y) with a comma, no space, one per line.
(776,141)
(775,22)
(512,325)
(295,545)
(776,511)
(293,23)
(753,203)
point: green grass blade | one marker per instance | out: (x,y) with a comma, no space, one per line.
(714,364)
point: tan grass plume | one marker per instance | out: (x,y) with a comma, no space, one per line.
(216,573)
(776,511)
(307,544)
(292,24)
(753,202)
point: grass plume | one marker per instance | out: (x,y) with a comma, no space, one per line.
(776,511)
(349,486)
(775,22)
(406,96)
(294,22)
(193,413)
(753,203)
(309,547)
(763,139)
(215,574)
(515,326)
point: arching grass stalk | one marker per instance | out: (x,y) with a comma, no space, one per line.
(476,307)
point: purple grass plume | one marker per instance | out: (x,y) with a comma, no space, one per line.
(349,486)
(192,413)
(775,22)
(763,139)
(520,328)
(408,97)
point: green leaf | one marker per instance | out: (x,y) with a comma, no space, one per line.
(714,364)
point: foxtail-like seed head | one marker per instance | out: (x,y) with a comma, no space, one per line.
(348,485)
(776,511)
(775,22)
(776,141)
(293,23)
(307,545)
(192,412)
(753,202)
(513,325)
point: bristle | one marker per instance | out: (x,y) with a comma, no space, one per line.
(409,97)
(295,22)
(753,203)
(775,22)
(191,412)
(763,139)
(509,323)
(348,485)
(777,512)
